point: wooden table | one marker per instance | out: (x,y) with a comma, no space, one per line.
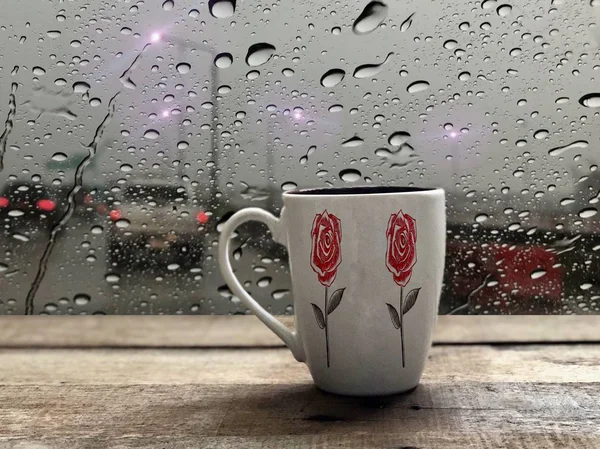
(226,382)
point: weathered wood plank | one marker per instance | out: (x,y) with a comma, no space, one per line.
(471,397)
(540,364)
(429,440)
(248,331)
(188,411)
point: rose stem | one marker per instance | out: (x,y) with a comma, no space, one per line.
(326,330)
(402,327)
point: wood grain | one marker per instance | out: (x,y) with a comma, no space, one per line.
(540,364)
(476,396)
(55,395)
(248,331)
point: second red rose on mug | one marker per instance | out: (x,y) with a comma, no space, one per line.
(325,258)
(400,258)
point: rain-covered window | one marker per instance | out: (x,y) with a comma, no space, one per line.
(131,130)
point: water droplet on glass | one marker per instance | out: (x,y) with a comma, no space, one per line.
(450,44)
(3,267)
(287,72)
(95,102)
(264,282)
(332,77)
(96,230)
(566,201)
(588,212)
(15,213)
(173,266)
(168,5)
(353,142)
(541,134)
(586,286)
(223,60)
(336,108)
(464,76)
(151,134)
(560,150)
(81,87)
(112,278)
(38,71)
(488,4)
(53,34)
(183,67)
(503,10)
(59,157)
(515,51)
(81,299)
(259,54)
(562,100)
(480,218)
(221,9)
(537,273)
(20,237)
(122,223)
(193,13)
(417,86)
(464,26)
(407,23)
(398,138)
(350,175)
(126,167)
(369,70)
(370,18)
(590,100)
(289,185)
(252,74)
(279,294)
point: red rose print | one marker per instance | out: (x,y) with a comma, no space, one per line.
(401,255)
(325,258)
(326,253)
(400,258)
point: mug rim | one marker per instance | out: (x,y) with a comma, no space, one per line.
(362,190)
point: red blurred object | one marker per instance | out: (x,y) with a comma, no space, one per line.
(4,201)
(511,266)
(115,215)
(46,205)
(202,217)
(88,199)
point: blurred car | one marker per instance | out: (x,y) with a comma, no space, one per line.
(91,202)
(28,206)
(155,223)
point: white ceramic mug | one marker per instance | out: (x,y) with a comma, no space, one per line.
(367,266)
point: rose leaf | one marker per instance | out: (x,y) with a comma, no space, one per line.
(394,315)
(335,300)
(318,315)
(410,300)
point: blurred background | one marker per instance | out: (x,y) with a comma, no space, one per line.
(131,130)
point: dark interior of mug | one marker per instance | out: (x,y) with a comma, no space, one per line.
(359,190)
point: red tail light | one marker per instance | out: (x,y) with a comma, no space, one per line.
(4,201)
(202,217)
(46,205)
(115,215)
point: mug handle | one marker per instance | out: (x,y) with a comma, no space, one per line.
(290,338)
